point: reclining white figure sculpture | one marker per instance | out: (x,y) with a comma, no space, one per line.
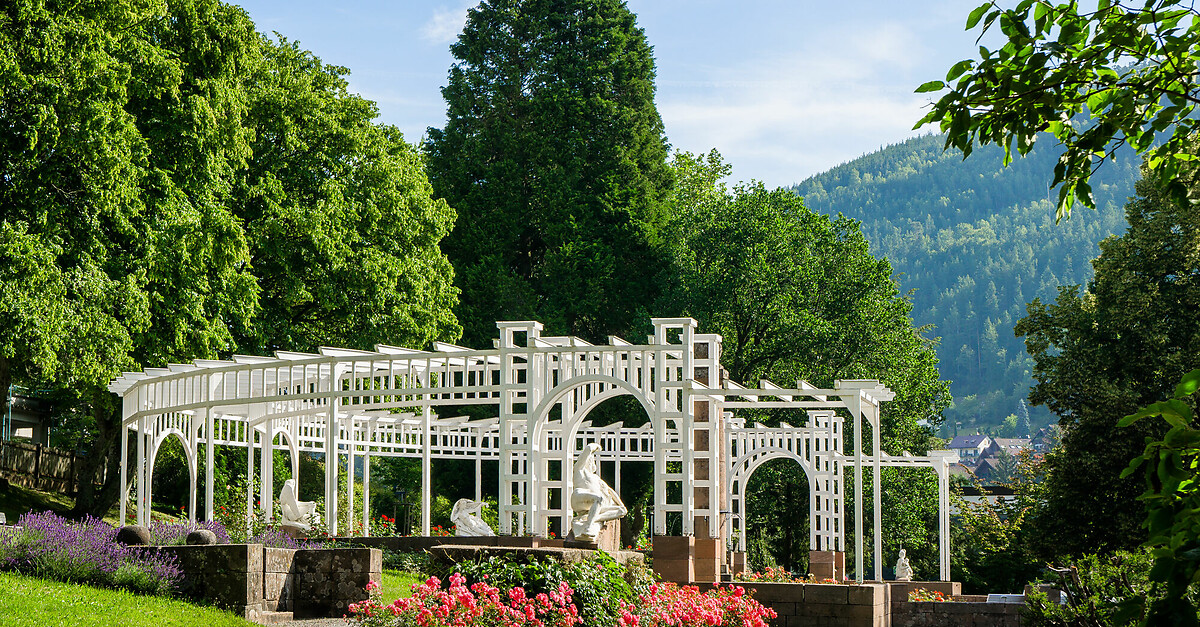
(296,513)
(467,516)
(593,501)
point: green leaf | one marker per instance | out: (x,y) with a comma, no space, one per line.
(1188,384)
(930,86)
(977,15)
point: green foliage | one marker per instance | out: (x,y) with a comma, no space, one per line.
(177,186)
(554,157)
(1100,591)
(797,295)
(1172,497)
(972,242)
(1103,353)
(993,545)
(1122,74)
(600,583)
(342,223)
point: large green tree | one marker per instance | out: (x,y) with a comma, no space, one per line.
(554,157)
(163,165)
(797,295)
(1125,73)
(341,219)
(1103,352)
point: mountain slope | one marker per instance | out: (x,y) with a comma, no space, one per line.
(975,242)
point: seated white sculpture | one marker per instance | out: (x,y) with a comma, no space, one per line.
(467,517)
(904,571)
(296,513)
(593,502)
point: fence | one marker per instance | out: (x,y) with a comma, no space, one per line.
(41,467)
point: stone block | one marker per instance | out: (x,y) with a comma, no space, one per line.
(737,562)
(867,594)
(673,547)
(678,571)
(771,593)
(353,560)
(278,560)
(303,608)
(827,593)
(827,564)
(232,589)
(707,548)
(706,570)
(314,561)
(278,586)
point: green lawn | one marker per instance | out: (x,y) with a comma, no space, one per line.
(16,500)
(32,602)
(398,584)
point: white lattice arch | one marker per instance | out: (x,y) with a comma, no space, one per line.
(193,470)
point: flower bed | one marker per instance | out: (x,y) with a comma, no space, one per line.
(52,547)
(483,604)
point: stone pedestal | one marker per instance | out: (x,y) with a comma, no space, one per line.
(737,562)
(609,538)
(707,555)
(824,565)
(673,558)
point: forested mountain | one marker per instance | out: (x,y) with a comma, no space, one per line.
(975,242)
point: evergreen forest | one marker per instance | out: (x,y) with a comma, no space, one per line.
(974,242)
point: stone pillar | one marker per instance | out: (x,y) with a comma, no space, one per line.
(673,558)
(827,565)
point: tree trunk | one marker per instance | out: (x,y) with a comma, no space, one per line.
(106,449)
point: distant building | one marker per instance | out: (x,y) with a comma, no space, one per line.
(1045,439)
(28,417)
(970,447)
(1012,446)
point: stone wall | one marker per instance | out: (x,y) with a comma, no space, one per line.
(828,605)
(875,605)
(929,614)
(248,579)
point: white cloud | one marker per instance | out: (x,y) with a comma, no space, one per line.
(780,119)
(446,23)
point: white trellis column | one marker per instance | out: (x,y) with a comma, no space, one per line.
(351,448)
(267,475)
(331,450)
(426,459)
(366,491)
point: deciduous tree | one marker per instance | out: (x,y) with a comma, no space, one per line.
(1124,73)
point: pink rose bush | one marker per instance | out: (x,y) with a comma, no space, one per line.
(479,604)
(666,604)
(670,605)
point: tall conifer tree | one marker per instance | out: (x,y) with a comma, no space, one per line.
(554,157)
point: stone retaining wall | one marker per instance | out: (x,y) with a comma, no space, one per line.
(875,605)
(930,614)
(248,579)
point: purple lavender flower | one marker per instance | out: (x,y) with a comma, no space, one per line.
(85,551)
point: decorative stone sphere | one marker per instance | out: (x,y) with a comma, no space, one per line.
(134,535)
(201,536)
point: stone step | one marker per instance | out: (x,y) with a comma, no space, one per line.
(273,618)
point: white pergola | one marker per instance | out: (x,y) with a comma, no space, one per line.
(347,404)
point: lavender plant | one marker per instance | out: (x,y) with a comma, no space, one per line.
(171,533)
(87,551)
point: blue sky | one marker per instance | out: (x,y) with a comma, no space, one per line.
(782,89)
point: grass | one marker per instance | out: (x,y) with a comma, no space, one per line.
(398,584)
(33,602)
(17,500)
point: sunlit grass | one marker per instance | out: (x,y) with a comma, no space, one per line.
(398,584)
(33,602)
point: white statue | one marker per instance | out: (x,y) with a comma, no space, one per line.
(467,517)
(904,571)
(592,501)
(296,513)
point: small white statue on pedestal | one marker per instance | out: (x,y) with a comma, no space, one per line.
(904,571)
(593,502)
(296,513)
(467,517)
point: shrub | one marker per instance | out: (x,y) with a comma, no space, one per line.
(409,562)
(600,584)
(479,604)
(667,604)
(1099,590)
(52,547)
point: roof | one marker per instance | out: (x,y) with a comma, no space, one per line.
(967,441)
(1012,442)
